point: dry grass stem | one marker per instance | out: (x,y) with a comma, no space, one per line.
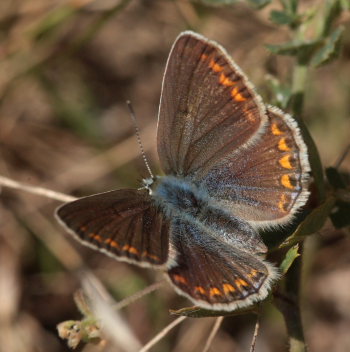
(255,335)
(111,321)
(214,330)
(92,169)
(146,291)
(162,334)
(48,193)
(57,244)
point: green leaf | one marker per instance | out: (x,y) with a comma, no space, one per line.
(312,223)
(281,17)
(288,260)
(259,4)
(196,312)
(219,2)
(330,50)
(290,6)
(293,5)
(293,47)
(333,10)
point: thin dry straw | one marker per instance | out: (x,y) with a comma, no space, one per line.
(111,322)
(48,193)
(89,170)
(213,333)
(146,291)
(161,334)
(255,336)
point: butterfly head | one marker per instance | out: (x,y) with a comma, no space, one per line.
(148,183)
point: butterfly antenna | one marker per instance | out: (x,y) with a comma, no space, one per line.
(138,137)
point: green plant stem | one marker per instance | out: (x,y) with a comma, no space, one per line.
(291,310)
(299,79)
(290,306)
(294,322)
(298,87)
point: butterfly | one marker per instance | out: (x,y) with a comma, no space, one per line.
(231,166)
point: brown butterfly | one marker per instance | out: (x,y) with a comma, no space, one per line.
(232,166)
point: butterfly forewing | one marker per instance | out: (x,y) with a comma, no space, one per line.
(269,182)
(207,107)
(123,223)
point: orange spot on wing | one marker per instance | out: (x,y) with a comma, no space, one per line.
(204,57)
(114,244)
(228,288)
(285,180)
(283,202)
(130,249)
(215,292)
(241,282)
(152,256)
(275,130)
(285,162)
(95,237)
(215,67)
(200,289)
(252,273)
(282,145)
(236,95)
(224,80)
(180,279)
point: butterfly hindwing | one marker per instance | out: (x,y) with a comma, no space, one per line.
(268,182)
(124,224)
(213,274)
(207,109)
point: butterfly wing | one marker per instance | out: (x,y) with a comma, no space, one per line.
(268,183)
(213,274)
(213,128)
(207,109)
(124,224)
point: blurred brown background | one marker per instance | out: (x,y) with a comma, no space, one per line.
(66,70)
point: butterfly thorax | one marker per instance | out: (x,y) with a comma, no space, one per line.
(181,199)
(178,196)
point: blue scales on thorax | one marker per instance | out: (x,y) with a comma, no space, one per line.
(182,199)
